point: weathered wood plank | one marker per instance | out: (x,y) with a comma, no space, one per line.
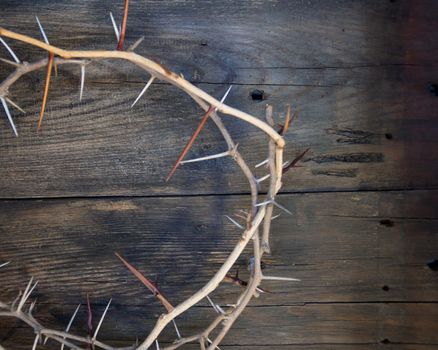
(361,94)
(362,247)
(309,325)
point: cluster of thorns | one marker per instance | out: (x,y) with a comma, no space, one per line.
(256,221)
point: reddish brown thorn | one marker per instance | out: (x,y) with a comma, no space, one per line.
(288,120)
(295,161)
(46,88)
(148,284)
(90,317)
(123,30)
(190,143)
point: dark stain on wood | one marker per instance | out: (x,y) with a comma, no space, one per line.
(336,172)
(348,158)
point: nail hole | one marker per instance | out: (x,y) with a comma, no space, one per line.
(433,264)
(385,288)
(387,223)
(385,341)
(433,89)
(204,43)
(388,136)
(257,95)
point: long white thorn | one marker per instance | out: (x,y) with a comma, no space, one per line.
(35,342)
(13,104)
(282,208)
(214,156)
(217,347)
(135,45)
(67,329)
(275,278)
(157,345)
(12,63)
(116,30)
(274,217)
(8,113)
(261,163)
(223,98)
(263,178)
(43,33)
(82,82)
(151,80)
(234,222)
(26,294)
(176,329)
(101,320)
(5,263)
(213,305)
(14,56)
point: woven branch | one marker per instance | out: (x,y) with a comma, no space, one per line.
(258,216)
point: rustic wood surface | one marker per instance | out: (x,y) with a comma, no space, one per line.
(364,223)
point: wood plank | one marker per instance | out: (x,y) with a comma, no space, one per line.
(364,109)
(343,324)
(363,247)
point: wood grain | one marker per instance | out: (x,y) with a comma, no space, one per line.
(362,259)
(364,109)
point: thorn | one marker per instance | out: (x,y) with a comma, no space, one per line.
(295,161)
(195,134)
(82,82)
(90,316)
(43,33)
(46,88)
(214,156)
(234,222)
(10,62)
(289,117)
(274,278)
(270,201)
(274,217)
(123,29)
(217,347)
(151,80)
(135,45)
(101,320)
(27,292)
(10,51)
(32,306)
(13,104)
(262,163)
(4,264)
(157,345)
(8,113)
(35,342)
(69,324)
(176,329)
(148,284)
(116,30)
(263,178)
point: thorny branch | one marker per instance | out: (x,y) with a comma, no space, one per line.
(258,213)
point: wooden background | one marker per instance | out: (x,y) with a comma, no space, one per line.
(364,201)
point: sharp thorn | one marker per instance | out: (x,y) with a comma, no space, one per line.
(35,342)
(151,80)
(82,82)
(281,207)
(261,163)
(12,63)
(263,178)
(176,329)
(214,156)
(43,33)
(223,98)
(275,278)
(67,329)
(234,222)
(5,263)
(10,51)
(157,345)
(46,88)
(116,30)
(13,104)
(213,305)
(217,347)
(135,45)
(101,320)
(8,113)
(274,217)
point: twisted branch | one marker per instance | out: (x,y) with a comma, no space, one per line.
(258,213)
